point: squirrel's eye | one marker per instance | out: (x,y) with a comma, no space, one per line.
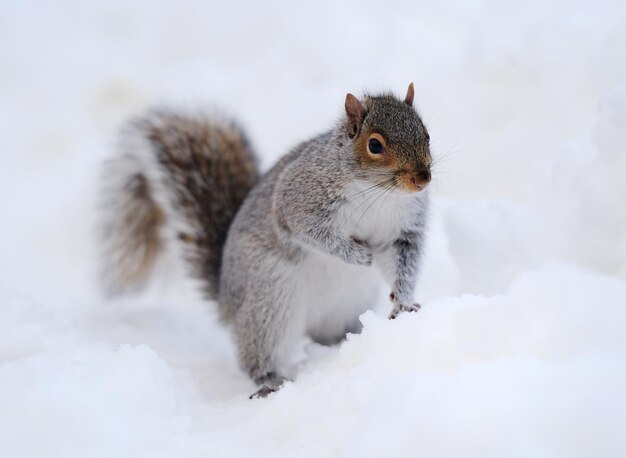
(375,146)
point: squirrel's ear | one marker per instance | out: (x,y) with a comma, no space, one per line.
(409,95)
(355,111)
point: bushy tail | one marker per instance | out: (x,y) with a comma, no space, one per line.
(131,228)
(178,179)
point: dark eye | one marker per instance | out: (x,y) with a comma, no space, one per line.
(427,137)
(375,146)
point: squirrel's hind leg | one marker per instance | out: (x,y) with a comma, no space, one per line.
(267,328)
(269,383)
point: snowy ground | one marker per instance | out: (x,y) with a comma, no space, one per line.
(520,347)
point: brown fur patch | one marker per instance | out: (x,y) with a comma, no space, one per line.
(133,236)
(387,159)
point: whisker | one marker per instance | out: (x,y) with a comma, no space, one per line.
(443,158)
(373,195)
(370,188)
(386,191)
(395,186)
(438,165)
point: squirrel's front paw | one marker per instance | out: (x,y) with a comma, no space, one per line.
(399,307)
(362,257)
(358,253)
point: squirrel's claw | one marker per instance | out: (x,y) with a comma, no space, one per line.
(264,392)
(269,382)
(399,307)
(403,308)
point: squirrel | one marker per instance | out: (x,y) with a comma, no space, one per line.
(298,252)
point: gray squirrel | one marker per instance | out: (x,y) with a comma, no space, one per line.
(286,255)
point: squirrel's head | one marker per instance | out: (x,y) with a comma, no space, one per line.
(390,141)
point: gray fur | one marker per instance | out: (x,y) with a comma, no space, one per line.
(311,240)
(293,213)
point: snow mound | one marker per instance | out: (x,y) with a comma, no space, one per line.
(536,371)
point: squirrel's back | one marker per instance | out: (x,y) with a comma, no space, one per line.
(177,178)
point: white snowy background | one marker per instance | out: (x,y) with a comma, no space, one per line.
(520,347)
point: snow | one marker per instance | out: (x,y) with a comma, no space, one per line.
(519,348)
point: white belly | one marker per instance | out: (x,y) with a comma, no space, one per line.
(331,294)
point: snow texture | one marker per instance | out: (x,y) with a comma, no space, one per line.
(519,349)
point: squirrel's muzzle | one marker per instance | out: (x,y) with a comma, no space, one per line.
(415,181)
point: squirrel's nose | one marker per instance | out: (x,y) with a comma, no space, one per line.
(421,179)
